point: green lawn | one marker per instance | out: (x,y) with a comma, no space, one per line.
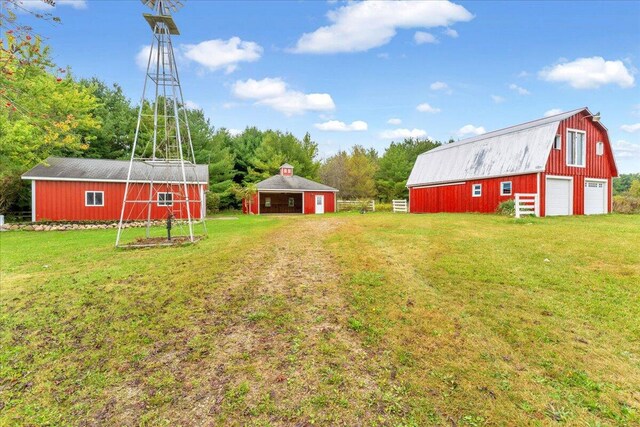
(347,319)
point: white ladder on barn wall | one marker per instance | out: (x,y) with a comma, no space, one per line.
(527,204)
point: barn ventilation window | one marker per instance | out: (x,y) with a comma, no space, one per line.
(557,143)
(575,148)
(94,198)
(165,199)
(505,188)
(599,148)
(267,202)
(476,190)
(291,202)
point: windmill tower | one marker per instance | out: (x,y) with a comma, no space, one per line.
(162,170)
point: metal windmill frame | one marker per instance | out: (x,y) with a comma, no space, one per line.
(164,152)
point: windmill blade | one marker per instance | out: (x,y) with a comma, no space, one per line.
(167,5)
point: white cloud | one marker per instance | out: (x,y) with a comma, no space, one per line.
(626,150)
(439,86)
(360,26)
(520,90)
(383,55)
(192,105)
(273,92)
(552,112)
(631,128)
(403,133)
(40,5)
(635,110)
(234,132)
(142,57)
(471,130)
(394,121)
(421,37)
(589,73)
(497,99)
(338,126)
(217,54)
(451,33)
(523,74)
(426,108)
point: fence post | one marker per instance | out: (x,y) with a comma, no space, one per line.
(373,205)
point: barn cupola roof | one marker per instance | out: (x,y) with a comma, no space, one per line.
(286,170)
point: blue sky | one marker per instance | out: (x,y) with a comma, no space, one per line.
(367,73)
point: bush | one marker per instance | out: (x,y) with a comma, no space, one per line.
(508,207)
(626,204)
(213,203)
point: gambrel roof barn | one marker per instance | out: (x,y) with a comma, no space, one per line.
(564,160)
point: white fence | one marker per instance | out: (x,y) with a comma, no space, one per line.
(350,205)
(400,206)
(527,204)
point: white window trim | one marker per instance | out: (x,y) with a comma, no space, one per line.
(94,198)
(558,137)
(502,193)
(473,190)
(584,148)
(164,203)
(599,152)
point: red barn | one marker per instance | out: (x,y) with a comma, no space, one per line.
(69,189)
(565,160)
(289,193)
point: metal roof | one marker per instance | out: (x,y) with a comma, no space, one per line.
(74,169)
(519,149)
(286,165)
(292,183)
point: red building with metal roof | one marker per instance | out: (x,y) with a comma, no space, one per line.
(564,163)
(71,189)
(288,193)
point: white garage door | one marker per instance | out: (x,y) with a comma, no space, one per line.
(595,197)
(558,199)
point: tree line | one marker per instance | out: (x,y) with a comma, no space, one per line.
(45,111)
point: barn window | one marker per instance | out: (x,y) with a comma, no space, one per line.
(505,188)
(476,190)
(94,198)
(575,148)
(599,148)
(291,202)
(267,202)
(165,199)
(557,143)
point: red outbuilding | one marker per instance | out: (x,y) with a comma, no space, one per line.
(564,161)
(70,189)
(289,193)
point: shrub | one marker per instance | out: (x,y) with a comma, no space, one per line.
(213,202)
(626,204)
(508,207)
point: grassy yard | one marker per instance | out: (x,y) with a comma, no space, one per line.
(347,319)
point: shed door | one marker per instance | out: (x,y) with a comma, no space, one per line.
(319,204)
(595,197)
(558,199)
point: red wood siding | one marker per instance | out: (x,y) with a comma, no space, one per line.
(458,198)
(310,201)
(65,201)
(601,167)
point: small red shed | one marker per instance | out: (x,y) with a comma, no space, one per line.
(565,160)
(289,193)
(71,189)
